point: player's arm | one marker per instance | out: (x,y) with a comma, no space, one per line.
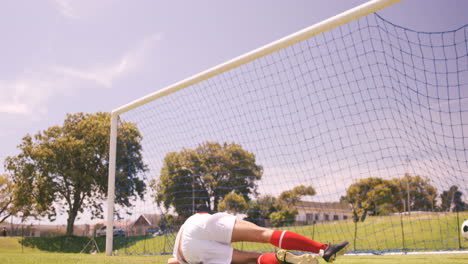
(172,261)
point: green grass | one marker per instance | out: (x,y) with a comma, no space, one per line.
(63,244)
(421,233)
(429,232)
(12,252)
(407,259)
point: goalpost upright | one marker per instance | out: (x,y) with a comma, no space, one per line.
(326,25)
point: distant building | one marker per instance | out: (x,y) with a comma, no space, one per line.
(315,212)
(146,223)
(35,230)
(31,230)
(308,213)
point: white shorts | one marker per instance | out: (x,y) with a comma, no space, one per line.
(206,238)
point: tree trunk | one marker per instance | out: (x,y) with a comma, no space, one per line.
(5,217)
(4,210)
(364,215)
(71,223)
(73,213)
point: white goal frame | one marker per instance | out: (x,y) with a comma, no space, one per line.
(316,29)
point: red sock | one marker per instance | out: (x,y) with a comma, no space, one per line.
(267,258)
(292,241)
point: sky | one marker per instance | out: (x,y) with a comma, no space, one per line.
(68,56)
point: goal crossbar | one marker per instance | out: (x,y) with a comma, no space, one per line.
(316,29)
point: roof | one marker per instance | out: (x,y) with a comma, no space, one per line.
(148,219)
(325,206)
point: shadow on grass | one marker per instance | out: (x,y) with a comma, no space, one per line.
(75,244)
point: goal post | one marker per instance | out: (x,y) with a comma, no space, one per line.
(326,25)
(111,184)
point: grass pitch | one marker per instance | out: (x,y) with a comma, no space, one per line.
(12,252)
(435,232)
(416,232)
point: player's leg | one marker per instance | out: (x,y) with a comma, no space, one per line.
(244,257)
(250,232)
(247,231)
(280,257)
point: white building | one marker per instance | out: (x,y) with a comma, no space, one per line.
(315,212)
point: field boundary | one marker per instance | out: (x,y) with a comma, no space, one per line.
(409,253)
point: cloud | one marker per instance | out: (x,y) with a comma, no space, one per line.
(79,9)
(105,75)
(27,94)
(31,91)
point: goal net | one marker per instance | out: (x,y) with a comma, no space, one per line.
(356,133)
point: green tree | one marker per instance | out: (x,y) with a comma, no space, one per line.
(283,218)
(6,198)
(259,210)
(293,196)
(168,221)
(452,200)
(65,168)
(203,176)
(232,203)
(421,194)
(371,195)
(285,212)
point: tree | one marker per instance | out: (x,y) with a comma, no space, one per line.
(421,194)
(6,198)
(233,203)
(280,211)
(198,179)
(285,211)
(283,218)
(451,200)
(67,167)
(259,210)
(371,195)
(293,196)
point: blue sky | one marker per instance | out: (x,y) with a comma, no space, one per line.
(67,56)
